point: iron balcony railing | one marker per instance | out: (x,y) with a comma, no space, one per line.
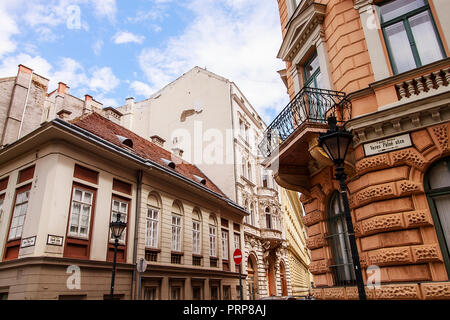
(310,105)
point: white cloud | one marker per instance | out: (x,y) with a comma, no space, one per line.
(105,8)
(103,80)
(141,88)
(238,44)
(8,67)
(8,29)
(127,37)
(97,47)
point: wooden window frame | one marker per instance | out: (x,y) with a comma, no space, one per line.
(71,241)
(147,219)
(123,245)
(412,41)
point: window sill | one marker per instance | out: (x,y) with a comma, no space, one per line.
(152,249)
(177,253)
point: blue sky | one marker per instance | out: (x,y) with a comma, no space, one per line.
(114,49)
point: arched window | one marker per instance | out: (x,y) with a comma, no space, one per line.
(152,221)
(437,188)
(268,219)
(196,232)
(342,261)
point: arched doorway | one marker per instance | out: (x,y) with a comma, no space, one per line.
(284,291)
(252,276)
(437,188)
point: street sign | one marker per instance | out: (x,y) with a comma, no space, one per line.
(237,256)
(142,265)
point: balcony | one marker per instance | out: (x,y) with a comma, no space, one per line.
(273,236)
(289,144)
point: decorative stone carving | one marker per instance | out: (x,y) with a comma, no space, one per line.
(441,134)
(390,256)
(409,156)
(372,163)
(417,218)
(374,192)
(407,186)
(363,260)
(319,267)
(436,290)
(382,223)
(334,293)
(316,242)
(316,293)
(426,253)
(401,291)
(312,218)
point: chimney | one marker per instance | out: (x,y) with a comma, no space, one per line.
(158,140)
(129,103)
(87,103)
(24,69)
(62,87)
(112,114)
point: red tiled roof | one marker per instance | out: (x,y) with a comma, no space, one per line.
(108,130)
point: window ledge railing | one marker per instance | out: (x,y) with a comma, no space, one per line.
(310,105)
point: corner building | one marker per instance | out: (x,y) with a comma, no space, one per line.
(382,68)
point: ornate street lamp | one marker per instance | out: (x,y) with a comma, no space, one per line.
(117,227)
(335,143)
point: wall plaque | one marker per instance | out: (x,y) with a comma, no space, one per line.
(28,242)
(55,240)
(386,145)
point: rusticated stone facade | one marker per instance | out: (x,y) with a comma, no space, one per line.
(396,223)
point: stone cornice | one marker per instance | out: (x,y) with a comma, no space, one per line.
(299,30)
(402,117)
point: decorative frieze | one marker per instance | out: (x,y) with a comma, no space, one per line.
(390,256)
(439,290)
(417,218)
(441,135)
(426,253)
(317,293)
(334,293)
(409,156)
(319,267)
(316,242)
(312,218)
(372,163)
(382,223)
(373,193)
(398,291)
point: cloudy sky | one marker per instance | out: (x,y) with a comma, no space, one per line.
(113,49)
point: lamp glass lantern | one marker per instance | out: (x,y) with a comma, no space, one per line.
(335,142)
(117,227)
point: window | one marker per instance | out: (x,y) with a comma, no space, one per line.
(196,233)
(176,233)
(264,178)
(151,239)
(251,217)
(237,241)
(437,187)
(20,211)
(214,293)
(410,34)
(2,198)
(80,213)
(151,293)
(175,293)
(268,219)
(244,171)
(249,175)
(226,293)
(342,266)
(313,77)
(212,241)
(196,293)
(119,206)
(225,249)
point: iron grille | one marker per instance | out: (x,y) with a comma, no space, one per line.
(310,105)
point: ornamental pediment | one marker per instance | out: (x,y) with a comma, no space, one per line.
(300,27)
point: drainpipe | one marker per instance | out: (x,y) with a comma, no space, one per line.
(136,228)
(25,106)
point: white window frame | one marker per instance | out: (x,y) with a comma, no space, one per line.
(176,232)
(196,237)
(123,218)
(83,192)
(18,219)
(152,224)
(225,245)
(213,241)
(237,241)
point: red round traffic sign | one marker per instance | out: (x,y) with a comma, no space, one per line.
(237,256)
